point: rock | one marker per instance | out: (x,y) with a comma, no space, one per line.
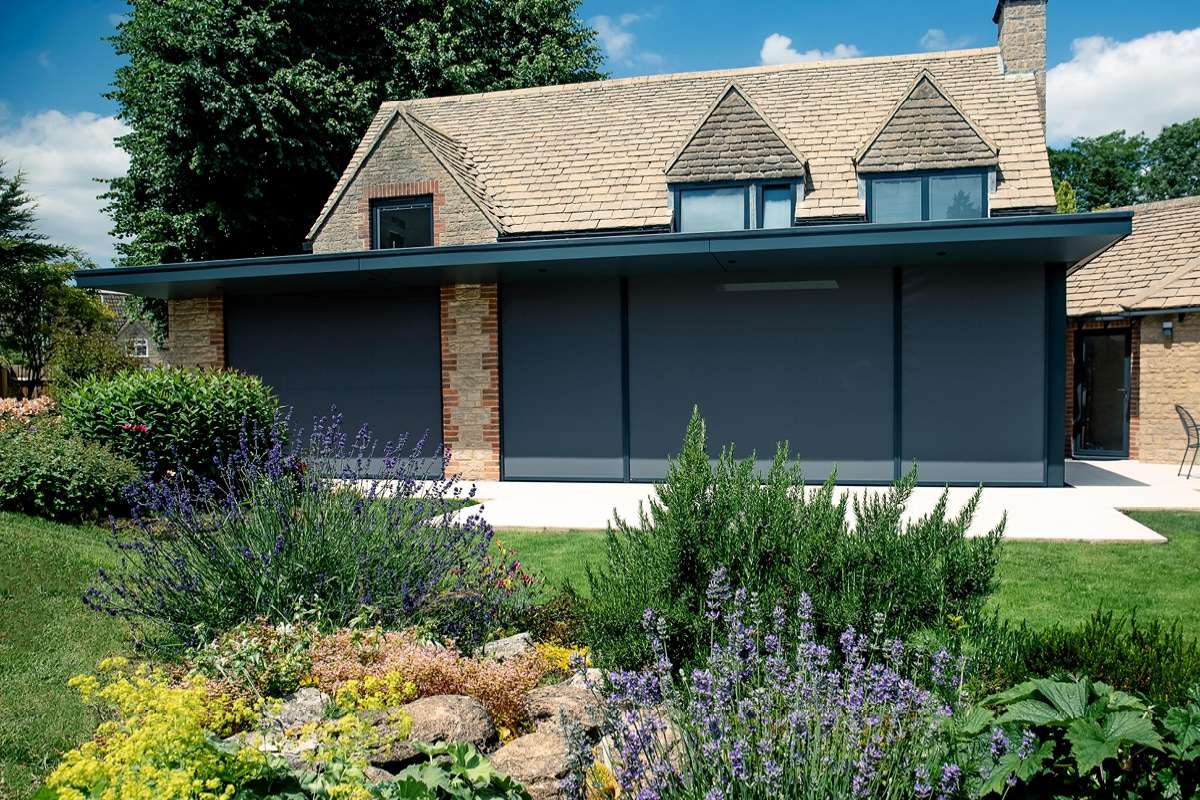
(299,709)
(377,775)
(537,760)
(590,676)
(547,704)
(440,718)
(502,649)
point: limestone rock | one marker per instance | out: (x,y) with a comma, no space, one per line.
(502,649)
(548,704)
(299,709)
(537,760)
(440,718)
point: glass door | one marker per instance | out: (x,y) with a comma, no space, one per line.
(1101,424)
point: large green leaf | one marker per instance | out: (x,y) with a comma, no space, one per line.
(1070,699)
(1184,724)
(1013,765)
(1021,691)
(1032,712)
(972,722)
(1090,747)
(1132,727)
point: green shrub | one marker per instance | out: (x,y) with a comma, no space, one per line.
(776,538)
(79,355)
(1152,659)
(47,471)
(171,418)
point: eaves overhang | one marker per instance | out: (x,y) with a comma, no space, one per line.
(1057,238)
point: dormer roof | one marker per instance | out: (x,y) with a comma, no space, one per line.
(734,141)
(926,129)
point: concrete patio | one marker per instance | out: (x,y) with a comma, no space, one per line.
(1088,509)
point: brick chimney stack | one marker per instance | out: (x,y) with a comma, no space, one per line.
(1021,29)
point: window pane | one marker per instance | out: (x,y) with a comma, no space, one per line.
(403,225)
(896,200)
(712,209)
(956,197)
(777,207)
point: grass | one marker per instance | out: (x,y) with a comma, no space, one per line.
(46,636)
(1042,583)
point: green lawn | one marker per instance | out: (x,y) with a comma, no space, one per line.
(1040,582)
(46,636)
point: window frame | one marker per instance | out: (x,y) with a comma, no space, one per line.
(925,175)
(761,205)
(403,202)
(136,343)
(750,221)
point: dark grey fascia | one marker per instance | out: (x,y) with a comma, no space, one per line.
(1066,238)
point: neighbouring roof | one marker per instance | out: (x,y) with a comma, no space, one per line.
(734,142)
(1155,267)
(926,130)
(593,156)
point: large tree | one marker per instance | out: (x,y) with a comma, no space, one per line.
(37,297)
(1173,162)
(1118,170)
(1103,170)
(243,112)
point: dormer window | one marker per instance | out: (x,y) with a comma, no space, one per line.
(733,207)
(937,195)
(402,222)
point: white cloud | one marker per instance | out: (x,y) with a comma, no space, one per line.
(43,59)
(61,155)
(620,44)
(938,39)
(115,19)
(777,49)
(1138,85)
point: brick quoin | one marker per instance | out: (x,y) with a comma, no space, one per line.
(196,332)
(470,345)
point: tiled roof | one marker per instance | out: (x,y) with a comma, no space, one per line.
(734,142)
(927,130)
(1156,266)
(593,156)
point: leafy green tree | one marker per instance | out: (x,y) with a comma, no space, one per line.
(36,296)
(1173,162)
(1103,170)
(244,112)
(1064,197)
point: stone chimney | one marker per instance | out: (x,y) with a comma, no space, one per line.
(1021,28)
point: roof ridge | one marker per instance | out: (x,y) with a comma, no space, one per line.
(483,201)
(730,72)
(1165,283)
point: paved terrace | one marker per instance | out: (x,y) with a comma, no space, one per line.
(1087,509)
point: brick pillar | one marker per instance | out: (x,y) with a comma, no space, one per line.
(196,332)
(471,379)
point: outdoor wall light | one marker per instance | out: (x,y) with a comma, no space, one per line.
(1168,329)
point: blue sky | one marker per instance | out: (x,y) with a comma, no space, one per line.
(1113,64)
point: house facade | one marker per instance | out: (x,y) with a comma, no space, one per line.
(1133,338)
(859,257)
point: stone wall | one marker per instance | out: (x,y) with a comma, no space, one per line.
(196,332)
(471,379)
(402,166)
(1170,375)
(1022,37)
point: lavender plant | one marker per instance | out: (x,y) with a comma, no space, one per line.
(758,719)
(321,521)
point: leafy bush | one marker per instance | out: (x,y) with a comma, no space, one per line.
(268,659)
(178,419)
(452,771)
(47,471)
(776,539)
(206,555)
(78,355)
(760,719)
(1153,659)
(1080,739)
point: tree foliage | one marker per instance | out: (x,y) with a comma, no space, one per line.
(1118,169)
(243,112)
(1064,197)
(37,299)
